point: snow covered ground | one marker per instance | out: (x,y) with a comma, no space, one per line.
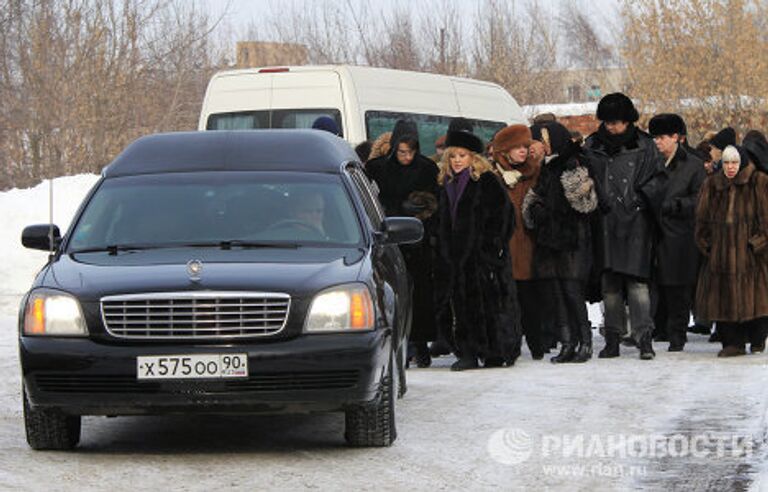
(685,421)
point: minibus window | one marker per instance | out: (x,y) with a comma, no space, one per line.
(431,127)
(277,118)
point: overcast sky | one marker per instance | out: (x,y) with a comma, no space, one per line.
(239,14)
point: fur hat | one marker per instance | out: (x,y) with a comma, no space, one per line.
(666,124)
(511,137)
(756,146)
(724,138)
(616,107)
(465,140)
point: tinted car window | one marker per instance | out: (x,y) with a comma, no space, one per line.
(372,210)
(303,208)
(276,118)
(431,127)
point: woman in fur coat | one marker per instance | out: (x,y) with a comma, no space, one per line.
(732,234)
(517,163)
(475,290)
(558,209)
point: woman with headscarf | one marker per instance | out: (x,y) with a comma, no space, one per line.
(474,287)
(558,208)
(732,234)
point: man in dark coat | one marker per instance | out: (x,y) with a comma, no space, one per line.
(672,195)
(623,158)
(407,183)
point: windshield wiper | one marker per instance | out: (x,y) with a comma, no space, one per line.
(239,243)
(113,249)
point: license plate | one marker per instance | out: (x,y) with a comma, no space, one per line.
(200,366)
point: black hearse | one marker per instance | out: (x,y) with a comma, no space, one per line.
(217,272)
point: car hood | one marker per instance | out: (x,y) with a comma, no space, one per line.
(298,272)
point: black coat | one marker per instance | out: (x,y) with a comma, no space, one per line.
(624,234)
(559,208)
(473,276)
(398,185)
(672,195)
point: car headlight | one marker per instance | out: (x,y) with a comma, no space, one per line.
(343,308)
(53,313)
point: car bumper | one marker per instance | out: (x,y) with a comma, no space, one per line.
(307,374)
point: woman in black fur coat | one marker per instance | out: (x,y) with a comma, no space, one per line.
(476,299)
(558,208)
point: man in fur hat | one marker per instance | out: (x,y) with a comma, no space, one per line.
(623,158)
(672,194)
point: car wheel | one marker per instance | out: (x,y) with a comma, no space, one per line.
(50,428)
(374,424)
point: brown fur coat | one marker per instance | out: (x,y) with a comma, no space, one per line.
(522,244)
(732,233)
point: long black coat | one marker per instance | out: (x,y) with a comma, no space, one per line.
(672,195)
(396,184)
(473,276)
(624,241)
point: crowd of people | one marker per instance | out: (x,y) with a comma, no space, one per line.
(522,232)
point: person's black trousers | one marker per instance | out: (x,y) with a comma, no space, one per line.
(528,296)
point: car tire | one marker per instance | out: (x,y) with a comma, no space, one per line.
(373,425)
(50,429)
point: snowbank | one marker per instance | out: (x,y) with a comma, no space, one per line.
(22,207)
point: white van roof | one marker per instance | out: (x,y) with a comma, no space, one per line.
(407,90)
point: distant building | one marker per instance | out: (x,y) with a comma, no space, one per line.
(252,54)
(585,85)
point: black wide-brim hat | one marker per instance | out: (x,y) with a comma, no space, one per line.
(465,140)
(666,124)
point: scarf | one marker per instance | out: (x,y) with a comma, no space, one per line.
(614,143)
(454,189)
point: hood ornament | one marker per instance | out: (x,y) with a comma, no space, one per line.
(194,269)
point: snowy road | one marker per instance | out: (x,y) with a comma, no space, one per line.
(456,431)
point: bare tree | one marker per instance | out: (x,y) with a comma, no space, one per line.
(80,79)
(517,50)
(585,47)
(703,58)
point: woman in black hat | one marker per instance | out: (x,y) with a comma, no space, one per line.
(476,297)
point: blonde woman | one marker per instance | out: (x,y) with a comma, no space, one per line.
(475,291)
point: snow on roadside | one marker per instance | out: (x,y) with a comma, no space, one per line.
(22,207)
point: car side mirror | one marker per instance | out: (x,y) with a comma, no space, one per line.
(39,236)
(402,230)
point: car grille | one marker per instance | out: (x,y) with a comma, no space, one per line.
(256,383)
(196,315)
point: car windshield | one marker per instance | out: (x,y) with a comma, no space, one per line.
(229,209)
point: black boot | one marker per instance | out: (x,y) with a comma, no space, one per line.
(567,346)
(467,358)
(611,348)
(585,346)
(423,359)
(464,363)
(646,347)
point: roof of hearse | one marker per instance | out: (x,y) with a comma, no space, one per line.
(241,150)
